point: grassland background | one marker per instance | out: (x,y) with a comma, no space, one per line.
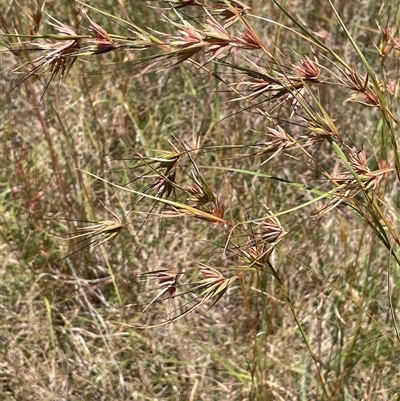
(59,332)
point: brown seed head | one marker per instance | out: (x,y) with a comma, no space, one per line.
(309,69)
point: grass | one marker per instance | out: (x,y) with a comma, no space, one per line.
(199,200)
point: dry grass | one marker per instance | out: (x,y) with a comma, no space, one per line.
(199,200)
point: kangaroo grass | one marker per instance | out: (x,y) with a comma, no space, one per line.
(252,154)
(100,232)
